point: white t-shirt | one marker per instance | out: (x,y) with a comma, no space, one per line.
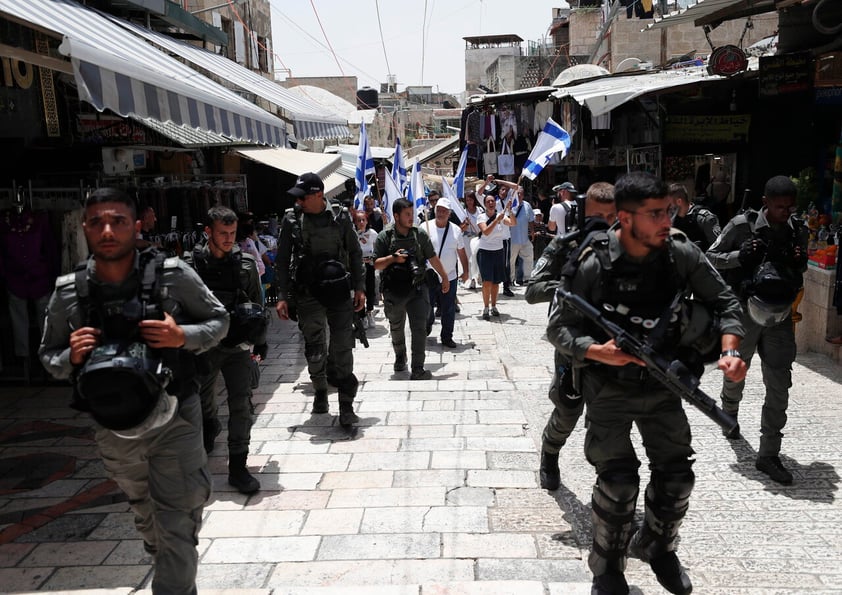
(453,242)
(493,240)
(558,213)
(366,239)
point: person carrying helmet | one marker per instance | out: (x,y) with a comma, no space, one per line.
(763,255)
(232,277)
(321,283)
(124,327)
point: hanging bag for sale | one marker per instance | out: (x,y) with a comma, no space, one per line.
(506,160)
(489,158)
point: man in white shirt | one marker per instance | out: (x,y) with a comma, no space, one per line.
(565,193)
(450,248)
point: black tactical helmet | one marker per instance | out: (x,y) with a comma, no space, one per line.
(773,289)
(249,322)
(120,386)
(331,283)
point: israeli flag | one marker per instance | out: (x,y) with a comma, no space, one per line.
(391,194)
(365,167)
(416,194)
(399,169)
(449,193)
(551,140)
(459,179)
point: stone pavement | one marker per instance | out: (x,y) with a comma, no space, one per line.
(435,493)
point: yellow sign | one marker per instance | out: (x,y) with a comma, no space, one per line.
(732,128)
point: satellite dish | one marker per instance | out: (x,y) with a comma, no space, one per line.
(578,72)
(628,65)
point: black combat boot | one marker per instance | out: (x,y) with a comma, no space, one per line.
(320,404)
(211,428)
(239,476)
(550,477)
(613,501)
(347,393)
(667,498)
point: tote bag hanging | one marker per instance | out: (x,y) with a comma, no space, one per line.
(489,159)
(506,160)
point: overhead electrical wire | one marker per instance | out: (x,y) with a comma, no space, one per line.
(382,41)
(423,39)
(327,39)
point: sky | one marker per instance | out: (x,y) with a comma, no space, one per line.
(418,50)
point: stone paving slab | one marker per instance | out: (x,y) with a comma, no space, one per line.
(436,493)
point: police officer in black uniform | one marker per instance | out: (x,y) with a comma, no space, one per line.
(319,265)
(635,275)
(124,327)
(700,225)
(232,277)
(763,255)
(600,213)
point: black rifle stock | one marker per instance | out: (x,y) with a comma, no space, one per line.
(674,375)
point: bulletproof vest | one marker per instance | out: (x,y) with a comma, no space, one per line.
(223,276)
(317,244)
(122,380)
(400,278)
(637,298)
(689,224)
(116,309)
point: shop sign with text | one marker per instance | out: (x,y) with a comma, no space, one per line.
(730,128)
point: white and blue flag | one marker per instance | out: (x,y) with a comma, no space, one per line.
(365,167)
(398,167)
(552,139)
(459,179)
(390,195)
(449,193)
(416,194)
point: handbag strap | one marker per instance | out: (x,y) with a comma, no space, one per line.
(490,147)
(443,238)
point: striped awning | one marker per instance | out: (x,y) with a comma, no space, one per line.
(118,71)
(309,119)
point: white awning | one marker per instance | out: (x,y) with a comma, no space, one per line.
(335,183)
(602,95)
(309,119)
(118,71)
(712,8)
(294,162)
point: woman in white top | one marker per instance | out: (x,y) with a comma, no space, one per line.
(366,237)
(491,253)
(471,233)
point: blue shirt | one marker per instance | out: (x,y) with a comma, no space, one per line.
(520,232)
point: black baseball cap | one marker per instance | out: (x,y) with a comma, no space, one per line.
(564,186)
(308,183)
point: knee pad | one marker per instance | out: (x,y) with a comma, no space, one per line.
(314,353)
(675,482)
(619,486)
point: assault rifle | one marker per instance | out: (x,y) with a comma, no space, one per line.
(359,330)
(674,375)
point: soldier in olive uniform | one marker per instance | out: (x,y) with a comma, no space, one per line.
(400,252)
(232,276)
(319,264)
(600,213)
(157,460)
(763,255)
(698,224)
(633,275)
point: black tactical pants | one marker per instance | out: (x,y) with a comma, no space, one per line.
(235,365)
(313,321)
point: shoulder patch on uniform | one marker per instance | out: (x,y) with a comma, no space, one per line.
(171,262)
(677,234)
(65,280)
